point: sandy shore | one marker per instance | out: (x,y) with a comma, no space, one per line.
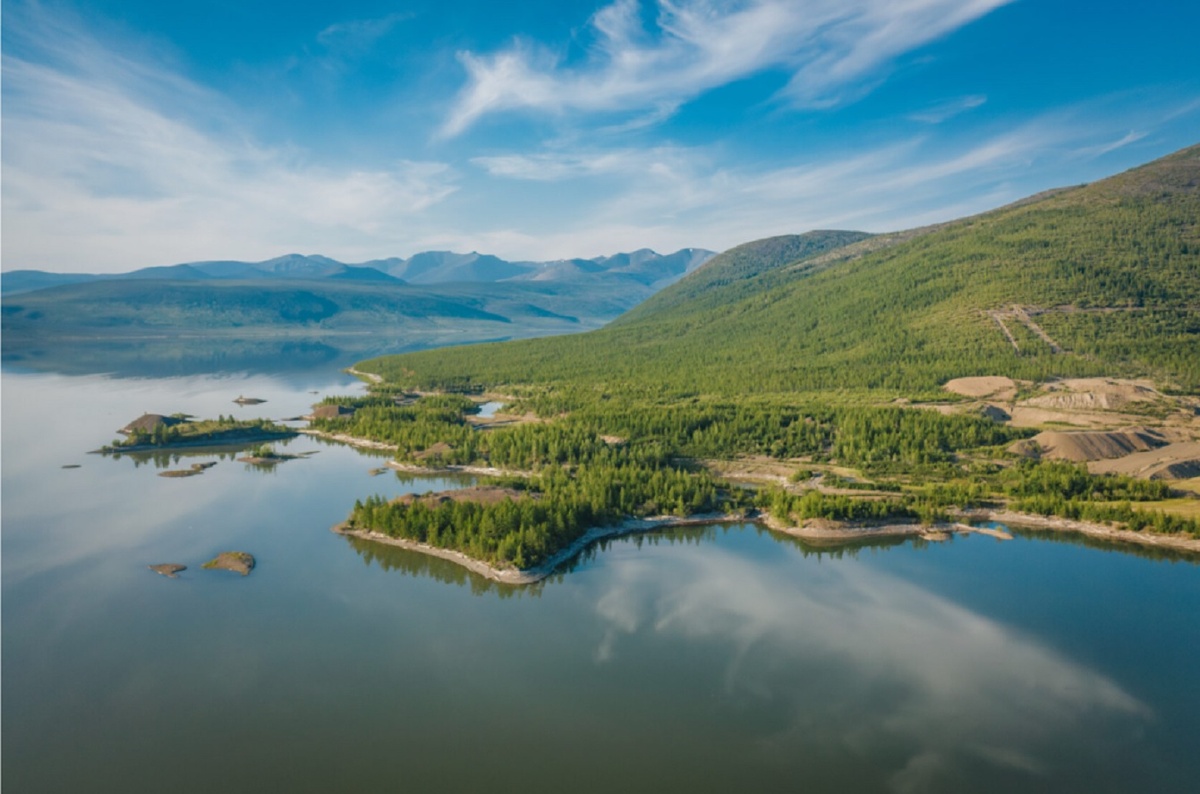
(511,575)
(833,531)
(486,471)
(845,531)
(371,376)
(353,441)
(1162,541)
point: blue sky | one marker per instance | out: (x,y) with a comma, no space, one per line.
(142,132)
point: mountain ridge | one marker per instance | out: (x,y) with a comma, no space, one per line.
(1108,272)
(645,266)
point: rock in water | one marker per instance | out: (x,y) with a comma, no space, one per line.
(236,561)
(168,569)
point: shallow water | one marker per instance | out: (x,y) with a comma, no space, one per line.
(707,660)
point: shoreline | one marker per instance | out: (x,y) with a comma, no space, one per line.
(832,534)
(368,376)
(519,576)
(205,442)
(837,531)
(342,438)
(1175,542)
(485,471)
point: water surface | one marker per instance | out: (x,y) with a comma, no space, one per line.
(709,659)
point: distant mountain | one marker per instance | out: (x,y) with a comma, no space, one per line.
(446,298)
(1102,279)
(644,267)
(439,267)
(15,281)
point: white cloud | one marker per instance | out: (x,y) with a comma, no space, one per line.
(358,34)
(674,197)
(829,47)
(944,111)
(555,166)
(105,154)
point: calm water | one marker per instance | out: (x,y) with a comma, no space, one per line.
(707,660)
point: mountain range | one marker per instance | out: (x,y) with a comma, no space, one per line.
(1100,279)
(642,267)
(253,315)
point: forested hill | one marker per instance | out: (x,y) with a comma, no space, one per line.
(1099,279)
(744,270)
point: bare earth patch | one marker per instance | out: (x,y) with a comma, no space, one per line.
(1179,461)
(482,494)
(996,387)
(1096,445)
(1089,394)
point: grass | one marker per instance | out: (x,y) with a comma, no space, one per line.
(1187,507)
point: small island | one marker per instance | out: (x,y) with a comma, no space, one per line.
(235,561)
(265,455)
(157,431)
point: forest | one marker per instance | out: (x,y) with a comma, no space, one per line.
(613,460)
(819,352)
(222,430)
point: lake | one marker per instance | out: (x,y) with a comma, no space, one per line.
(709,659)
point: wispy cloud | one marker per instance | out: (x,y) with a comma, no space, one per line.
(1133,136)
(828,47)
(360,32)
(117,149)
(673,197)
(556,167)
(944,111)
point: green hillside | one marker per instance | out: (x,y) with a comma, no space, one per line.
(744,270)
(1096,280)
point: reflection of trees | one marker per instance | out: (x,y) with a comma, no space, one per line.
(834,549)
(169,458)
(173,457)
(414,563)
(1080,539)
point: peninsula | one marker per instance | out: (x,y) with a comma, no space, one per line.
(920,381)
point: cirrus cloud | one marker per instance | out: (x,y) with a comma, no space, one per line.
(829,48)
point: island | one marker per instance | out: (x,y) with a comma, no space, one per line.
(235,561)
(266,455)
(158,431)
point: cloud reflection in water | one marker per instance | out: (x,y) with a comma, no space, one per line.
(853,661)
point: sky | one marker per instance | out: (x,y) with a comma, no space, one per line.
(143,132)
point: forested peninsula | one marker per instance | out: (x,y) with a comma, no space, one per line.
(819,378)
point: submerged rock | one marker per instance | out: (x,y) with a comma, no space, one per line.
(168,569)
(236,561)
